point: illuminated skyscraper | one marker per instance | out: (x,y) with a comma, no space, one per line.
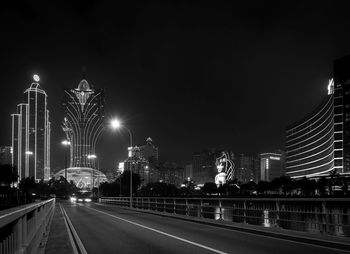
(83,122)
(31,134)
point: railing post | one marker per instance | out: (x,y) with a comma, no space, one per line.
(201,209)
(277,213)
(324,217)
(24,231)
(220,209)
(19,230)
(187,208)
(245,211)
(174,205)
(164,210)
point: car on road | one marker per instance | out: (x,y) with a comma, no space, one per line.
(81,197)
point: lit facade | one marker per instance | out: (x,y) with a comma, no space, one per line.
(143,160)
(320,143)
(83,122)
(247,168)
(5,155)
(31,135)
(225,168)
(271,166)
(149,151)
(83,178)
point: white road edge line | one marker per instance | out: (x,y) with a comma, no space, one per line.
(69,233)
(81,247)
(161,232)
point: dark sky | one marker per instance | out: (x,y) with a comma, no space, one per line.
(210,74)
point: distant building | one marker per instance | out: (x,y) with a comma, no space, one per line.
(188,171)
(247,168)
(31,134)
(271,166)
(203,167)
(320,143)
(150,152)
(171,173)
(143,160)
(5,155)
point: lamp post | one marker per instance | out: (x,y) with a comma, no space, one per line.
(116,124)
(66,144)
(92,157)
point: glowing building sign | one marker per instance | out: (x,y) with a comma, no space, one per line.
(225,168)
(330,87)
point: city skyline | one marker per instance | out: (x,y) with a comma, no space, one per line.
(221,76)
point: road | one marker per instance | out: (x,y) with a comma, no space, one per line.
(105,229)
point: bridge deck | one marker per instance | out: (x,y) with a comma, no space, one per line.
(106,229)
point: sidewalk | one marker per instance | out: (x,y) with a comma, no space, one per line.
(58,241)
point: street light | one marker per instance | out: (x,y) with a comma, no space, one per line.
(66,144)
(92,157)
(116,124)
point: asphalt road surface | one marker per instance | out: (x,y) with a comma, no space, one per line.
(105,229)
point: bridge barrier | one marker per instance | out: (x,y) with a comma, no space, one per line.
(329,216)
(23,228)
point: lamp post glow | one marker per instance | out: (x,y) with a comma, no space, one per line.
(116,124)
(66,144)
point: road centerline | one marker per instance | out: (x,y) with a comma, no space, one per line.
(160,232)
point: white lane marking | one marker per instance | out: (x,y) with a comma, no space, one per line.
(161,232)
(75,234)
(69,233)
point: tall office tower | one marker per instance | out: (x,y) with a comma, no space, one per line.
(320,143)
(247,168)
(83,122)
(149,151)
(271,166)
(5,155)
(203,167)
(31,134)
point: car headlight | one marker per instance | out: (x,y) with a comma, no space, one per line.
(73,199)
(88,200)
(80,199)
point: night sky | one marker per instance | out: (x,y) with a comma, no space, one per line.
(230,75)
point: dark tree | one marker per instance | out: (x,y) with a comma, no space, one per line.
(209,188)
(8,174)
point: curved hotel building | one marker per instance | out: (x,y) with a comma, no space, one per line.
(319,143)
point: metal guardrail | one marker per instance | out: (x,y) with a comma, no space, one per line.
(22,228)
(315,215)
